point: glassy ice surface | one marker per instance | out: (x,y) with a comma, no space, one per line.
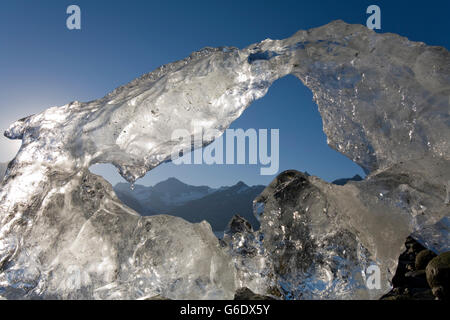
(384,101)
(2,170)
(304,249)
(436,236)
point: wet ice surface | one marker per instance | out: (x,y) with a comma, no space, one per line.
(384,101)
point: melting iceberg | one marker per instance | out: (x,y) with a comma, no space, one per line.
(384,101)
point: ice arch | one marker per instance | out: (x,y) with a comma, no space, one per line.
(384,103)
(370,88)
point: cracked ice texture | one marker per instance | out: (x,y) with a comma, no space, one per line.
(384,101)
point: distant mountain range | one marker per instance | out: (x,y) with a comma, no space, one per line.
(193,203)
(197,203)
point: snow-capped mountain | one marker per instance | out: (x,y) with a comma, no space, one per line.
(161,197)
(193,203)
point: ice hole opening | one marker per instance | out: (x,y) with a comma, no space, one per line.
(215,193)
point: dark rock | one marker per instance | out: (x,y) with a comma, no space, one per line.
(409,294)
(421,294)
(413,247)
(438,276)
(406,262)
(239,225)
(410,283)
(416,279)
(239,236)
(157,297)
(247,294)
(422,259)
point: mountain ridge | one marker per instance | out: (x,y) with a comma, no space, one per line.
(193,203)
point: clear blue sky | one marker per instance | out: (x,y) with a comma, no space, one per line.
(44,64)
